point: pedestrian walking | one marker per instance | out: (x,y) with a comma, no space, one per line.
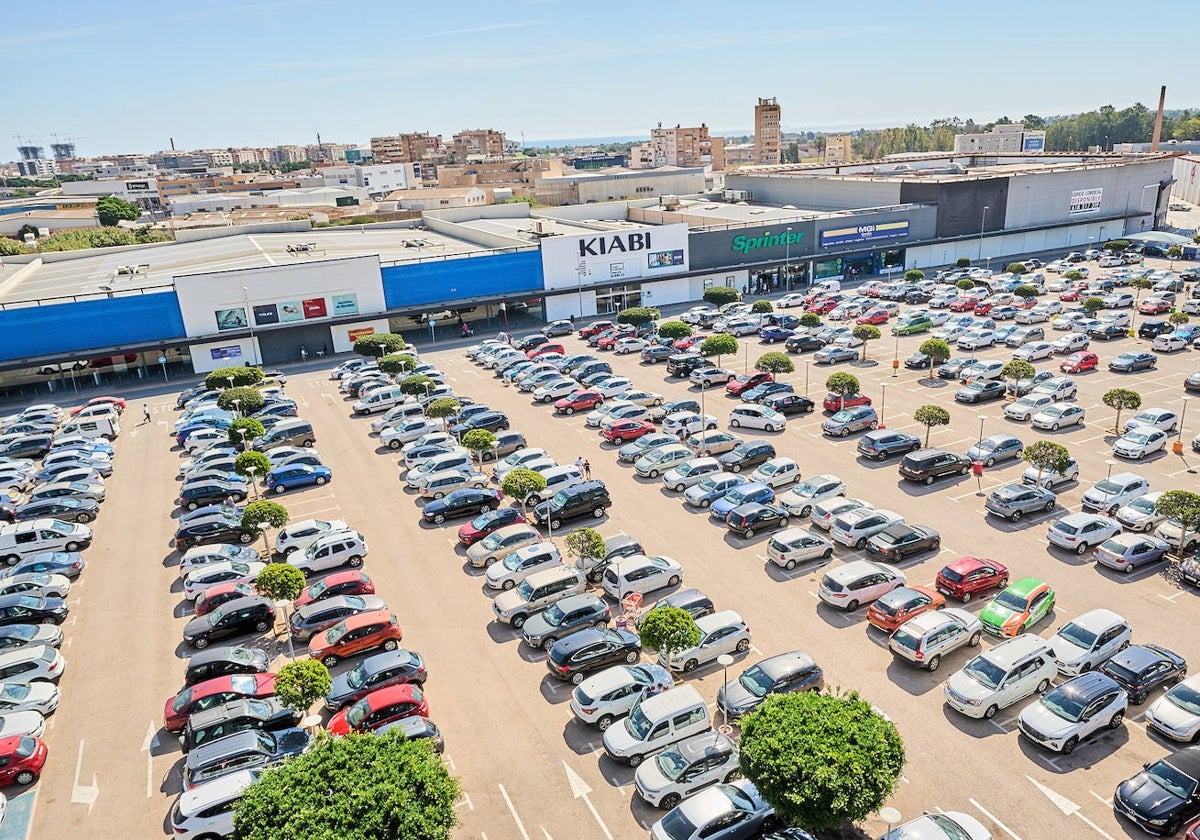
(145,413)
(303,353)
(579,463)
(587,470)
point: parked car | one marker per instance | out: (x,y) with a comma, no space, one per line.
(858,582)
(1163,796)
(1140,669)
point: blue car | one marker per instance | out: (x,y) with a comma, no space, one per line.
(200,425)
(292,476)
(751,491)
(1004,313)
(768,389)
(772,334)
(1188,332)
(97,445)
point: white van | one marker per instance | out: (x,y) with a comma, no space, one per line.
(24,539)
(826,287)
(657,722)
(105,426)
(380,399)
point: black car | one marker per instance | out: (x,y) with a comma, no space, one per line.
(789,404)
(1108,332)
(656,353)
(692,601)
(232,619)
(1154,327)
(760,392)
(1165,795)
(896,542)
(978,392)
(392,667)
(590,498)
(951,369)
(928,465)
(780,674)
(211,531)
(1139,669)
(919,361)
(754,518)
(65,508)
(881,444)
(918,296)
(207,493)
(466,501)
(32,609)
(803,343)
(268,714)
(682,364)
(1133,361)
(225,660)
(747,455)
(591,650)
(493,421)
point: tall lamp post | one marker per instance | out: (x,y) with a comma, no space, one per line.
(725,660)
(806,364)
(982,228)
(882,404)
(982,420)
(1183,415)
(283,604)
(787,259)
(250,323)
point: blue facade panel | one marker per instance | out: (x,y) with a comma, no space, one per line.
(66,328)
(440,281)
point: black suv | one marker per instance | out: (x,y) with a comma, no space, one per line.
(1154,327)
(800,343)
(930,464)
(590,650)
(1140,669)
(236,617)
(754,518)
(212,531)
(587,499)
(268,714)
(747,455)
(789,404)
(683,364)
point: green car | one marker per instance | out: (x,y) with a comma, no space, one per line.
(1017,608)
(908,326)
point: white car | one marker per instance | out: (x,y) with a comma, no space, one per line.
(1141,513)
(1069,321)
(604,697)
(1159,418)
(408,431)
(1058,415)
(331,551)
(204,555)
(440,484)
(859,582)
(1114,491)
(295,535)
(1119,319)
(1027,406)
(977,339)
(688,423)
(22,723)
(1139,442)
(1177,713)
(1058,387)
(789,300)
(1070,343)
(777,472)
(855,527)
(720,633)
(630,344)
(641,574)
(522,563)
(1054,721)
(206,811)
(520,459)
(799,501)
(1079,532)
(795,546)
(950,332)
(598,415)
(825,513)
(388,418)
(205,577)
(754,416)
(1031,351)
(36,696)
(689,473)
(1118,300)
(1049,478)
(1086,641)
(555,389)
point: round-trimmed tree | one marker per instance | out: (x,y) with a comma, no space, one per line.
(668,629)
(821,760)
(416,385)
(1093,305)
(1183,506)
(1047,456)
(638,315)
(937,350)
(1117,246)
(245,400)
(379,345)
(521,483)
(479,442)
(359,786)
(1016,370)
(1025,291)
(252,464)
(232,377)
(721,344)
(442,408)
(264,514)
(1141,283)
(842,385)
(245,429)
(914,275)
(397,363)
(810,320)
(674,329)
(866,333)
(586,546)
(762,307)
(721,295)
(1017,268)
(963,262)
(774,363)
(1178,318)
(279,582)
(1073,274)
(300,684)
(930,416)
(1121,399)
(965,284)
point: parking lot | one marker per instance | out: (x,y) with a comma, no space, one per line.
(528,769)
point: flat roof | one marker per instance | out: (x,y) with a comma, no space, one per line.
(85,275)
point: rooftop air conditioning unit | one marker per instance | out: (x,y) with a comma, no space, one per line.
(669,202)
(544,227)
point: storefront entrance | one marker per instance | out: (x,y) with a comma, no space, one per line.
(859,265)
(614,300)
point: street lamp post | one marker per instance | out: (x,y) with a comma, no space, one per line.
(890,816)
(1183,415)
(250,323)
(725,660)
(1110,463)
(982,227)
(982,420)
(806,364)
(787,259)
(253,480)
(283,604)
(896,357)
(882,404)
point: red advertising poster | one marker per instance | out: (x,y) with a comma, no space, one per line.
(314,308)
(355,335)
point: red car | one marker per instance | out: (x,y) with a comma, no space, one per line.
(21,759)
(1025,303)
(486,523)
(608,341)
(544,349)
(969,575)
(689,342)
(962,304)
(628,430)
(222,593)
(875,316)
(579,401)
(833,402)
(1154,306)
(214,692)
(348,582)
(824,306)
(595,328)
(1079,362)
(1070,295)
(984,307)
(747,381)
(1193,831)
(384,705)
(117,402)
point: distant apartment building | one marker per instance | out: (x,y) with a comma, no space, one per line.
(440,198)
(246,156)
(376,179)
(838,148)
(478,144)
(738,154)
(518,175)
(768,132)
(216,157)
(288,154)
(325,152)
(407,148)
(590,187)
(1002,138)
(37,168)
(679,146)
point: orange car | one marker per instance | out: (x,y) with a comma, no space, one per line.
(899,605)
(355,634)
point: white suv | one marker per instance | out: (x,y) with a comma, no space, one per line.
(854,527)
(297,535)
(344,548)
(681,770)
(1109,495)
(999,677)
(206,811)
(859,582)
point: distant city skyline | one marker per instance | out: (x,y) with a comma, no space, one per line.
(130,75)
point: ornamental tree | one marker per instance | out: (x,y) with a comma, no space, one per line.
(937,350)
(1073,274)
(1093,305)
(245,400)
(1183,506)
(416,385)
(252,464)
(821,760)
(232,377)
(668,629)
(585,544)
(1016,370)
(965,283)
(914,275)
(1047,456)
(1141,283)
(721,295)
(441,408)
(674,329)
(396,363)
(1178,318)
(762,307)
(260,515)
(245,429)
(280,582)
(638,315)
(963,262)
(1116,246)
(1025,291)
(721,344)
(866,333)
(300,684)
(842,385)
(1120,399)
(379,345)
(479,442)
(359,786)
(774,363)
(930,416)
(810,320)
(1017,268)
(1174,253)
(521,483)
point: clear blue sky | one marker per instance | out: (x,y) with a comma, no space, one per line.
(129,74)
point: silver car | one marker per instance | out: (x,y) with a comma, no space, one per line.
(924,639)
(690,472)
(1013,501)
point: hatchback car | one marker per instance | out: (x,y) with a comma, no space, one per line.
(966,577)
(381,706)
(641,574)
(1139,442)
(1013,501)
(978,392)
(881,444)
(571,658)
(855,527)
(1110,494)
(686,767)
(796,546)
(1164,795)
(1018,607)
(995,448)
(713,487)
(898,606)
(1133,361)
(392,667)
(753,518)
(215,692)
(1086,641)
(564,618)
(348,582)
(896,542)
(858,582)
(799,500)
(783,673)
(1140,669)
(604,697)
(848,420)
(22,758)
(1126,552)
(1176,714)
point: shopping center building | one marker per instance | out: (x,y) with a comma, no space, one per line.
(261,294)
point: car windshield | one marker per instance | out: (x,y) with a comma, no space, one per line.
(1138,437)
(317,589)
(1143,504)
(182,700)
(886,538)
(676,824)
(1077,635)
(843,416)
(1107,486)
(906,639)
(1011,600)
(357,712)
(1065,703)
(709,483)
(553,615)
(215,617)
(358,675)
(671,763)
(1175,781)
(560,499)
(1185,697)
(755,681)
(525,590)
(637,724)
(984,671)
(334,633)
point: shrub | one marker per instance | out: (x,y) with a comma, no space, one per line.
(721,295)
(762,307)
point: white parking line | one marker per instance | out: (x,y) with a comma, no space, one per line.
(1106,802)
(1170,598)
(993,818)
(516,817)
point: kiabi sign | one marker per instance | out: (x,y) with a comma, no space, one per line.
(617,244)
(745,244)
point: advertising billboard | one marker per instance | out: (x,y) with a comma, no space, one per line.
(863,233)
(1085,201)
(622,254)
(1033,144)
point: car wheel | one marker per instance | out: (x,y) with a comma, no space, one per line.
(630,657)
(1116,720)
(1069,745)
(439,519)
(1081,549)
(966,597)
(518,621)
(674,581)
(200,643)
(1043,686)
(861,544)
(844,432)
(743,646)
(25,777)
(192,505)
(1016,516)
(690,665)
(355,561)
(933,663)
(319,480)
(874,424)
(928,480)
(679,488)
(555,524)
(654,473)
(509,584)
(489,561)
(604,722)
(735,423)
(990,712)
(1138,699)
(852,606)
(669,801)
(279,489)
(749,533)
(703,503)
(635,760)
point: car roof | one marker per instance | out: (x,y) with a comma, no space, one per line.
(220,789)
(1026,585)
(1087,687)
(223,747)
(716,620)
(703,745)
(1187,760)
(786,663)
